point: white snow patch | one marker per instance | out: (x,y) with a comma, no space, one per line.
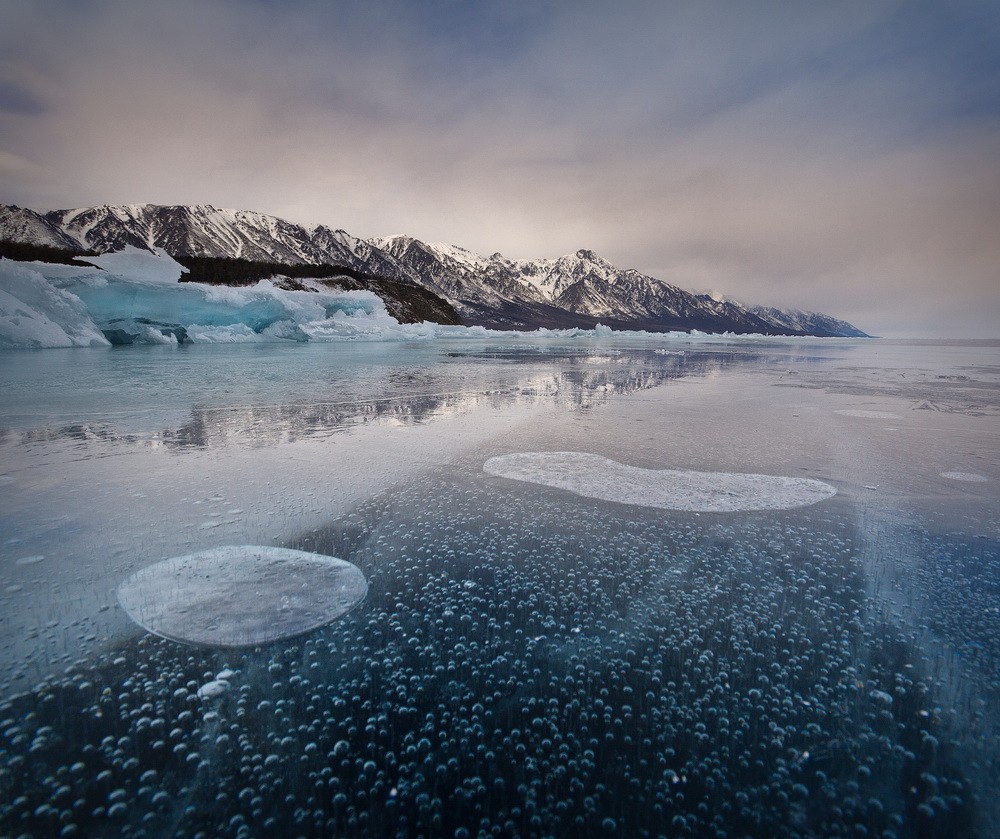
(971,477)
(238,596)
(466,258)
(593,476)
(138,265)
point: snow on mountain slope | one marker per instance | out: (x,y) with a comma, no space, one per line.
(18,224)
(204,230)
(582,283)
(453,272)
(485,290)
(809,323)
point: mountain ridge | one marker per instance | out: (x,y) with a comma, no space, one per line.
(577,289)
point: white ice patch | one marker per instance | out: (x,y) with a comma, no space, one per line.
(238,596)
(867,414)
(971,477)
(593,476)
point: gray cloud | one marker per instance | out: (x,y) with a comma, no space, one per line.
(841,157)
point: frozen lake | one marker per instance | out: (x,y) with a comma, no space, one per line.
(607,631)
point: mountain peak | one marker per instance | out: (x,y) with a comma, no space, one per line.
(586,255)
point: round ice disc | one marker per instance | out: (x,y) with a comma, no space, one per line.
(241,595)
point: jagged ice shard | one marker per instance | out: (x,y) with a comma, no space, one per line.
(593,476)
(241,596)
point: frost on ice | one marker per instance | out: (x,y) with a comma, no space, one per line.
(237,596)
(593,476)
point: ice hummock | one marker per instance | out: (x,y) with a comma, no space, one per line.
(35,313)
(134,297)
(239,596)
(598,477)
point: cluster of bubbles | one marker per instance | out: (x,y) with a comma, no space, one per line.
(525,663)
(959,584)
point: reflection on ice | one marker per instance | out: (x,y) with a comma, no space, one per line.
(241,596)
(593,476)
(221,396)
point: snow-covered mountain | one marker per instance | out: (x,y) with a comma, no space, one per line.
(578,289)
(810,323)
(199,230)
(26,226)
(485,289)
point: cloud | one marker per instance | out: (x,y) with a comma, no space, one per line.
(17,100)
(838,156)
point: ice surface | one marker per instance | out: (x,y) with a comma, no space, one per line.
(239,596)
(593,476)
(728,645)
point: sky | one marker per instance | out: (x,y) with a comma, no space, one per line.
(838,156)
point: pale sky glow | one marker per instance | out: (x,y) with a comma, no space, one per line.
(841,157)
